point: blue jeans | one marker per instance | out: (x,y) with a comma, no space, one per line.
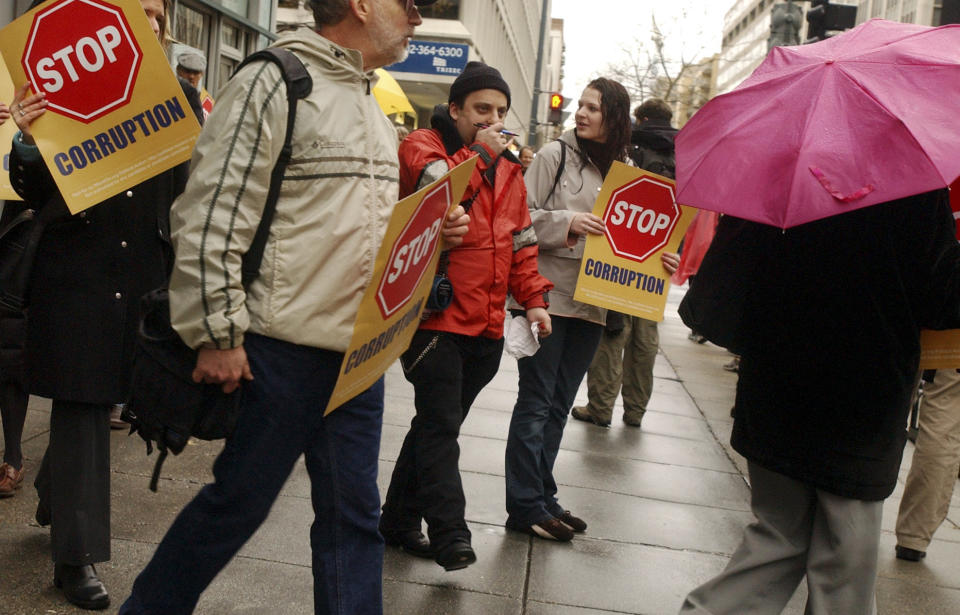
(282,418)
(548,386)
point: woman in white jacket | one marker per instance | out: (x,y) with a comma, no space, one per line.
(560,207)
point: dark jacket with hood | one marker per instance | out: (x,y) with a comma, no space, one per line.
(653,149)
(831,342)
(499,252)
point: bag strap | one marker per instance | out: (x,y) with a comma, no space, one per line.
(155,475)
(27,215)
(556,178)
(299,85)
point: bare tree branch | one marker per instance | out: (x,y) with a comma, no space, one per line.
(649,69)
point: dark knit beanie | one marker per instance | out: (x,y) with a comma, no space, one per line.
(478,76)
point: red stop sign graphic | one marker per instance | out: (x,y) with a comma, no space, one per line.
(411,251)
(83,55)
(640,217)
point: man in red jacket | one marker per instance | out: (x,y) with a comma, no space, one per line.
(456,351)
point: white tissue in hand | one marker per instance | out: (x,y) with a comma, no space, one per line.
(522,337)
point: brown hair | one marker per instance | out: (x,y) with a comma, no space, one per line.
(615,108)
(165,26)
(654,109)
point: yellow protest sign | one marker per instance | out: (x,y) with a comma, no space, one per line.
(940,349)
(7,130)
(403,274)
(116,114)
(621,269)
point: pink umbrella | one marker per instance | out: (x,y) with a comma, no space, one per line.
(818,130)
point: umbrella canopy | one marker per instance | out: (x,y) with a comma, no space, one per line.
(390,95)
(818,130)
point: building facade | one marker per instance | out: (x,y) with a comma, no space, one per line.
(224,31)
(924,12)
(501,33)
(11,9)
(696,86)
(746,28)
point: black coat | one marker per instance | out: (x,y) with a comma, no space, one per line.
(13,325)
(831,341)
(89,274)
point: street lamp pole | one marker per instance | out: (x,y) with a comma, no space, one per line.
(535,103)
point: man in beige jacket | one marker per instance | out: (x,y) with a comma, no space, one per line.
(283,338)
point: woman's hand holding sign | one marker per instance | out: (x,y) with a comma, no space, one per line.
(583,223)
(26,108)
(671,262)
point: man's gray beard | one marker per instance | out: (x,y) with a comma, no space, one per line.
(403,55)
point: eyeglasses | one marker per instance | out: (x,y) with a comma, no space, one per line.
(409,4)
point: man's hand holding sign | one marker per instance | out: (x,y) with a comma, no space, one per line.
(230,368)
(391,307)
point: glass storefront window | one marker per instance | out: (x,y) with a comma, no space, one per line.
(189,27)
(226,68)
(442,9)
(231,36)
(237,6)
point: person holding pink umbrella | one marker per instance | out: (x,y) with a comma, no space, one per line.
(837,292)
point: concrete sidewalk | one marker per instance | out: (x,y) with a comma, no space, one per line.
(665,505)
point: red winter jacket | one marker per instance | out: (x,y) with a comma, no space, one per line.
(499,252)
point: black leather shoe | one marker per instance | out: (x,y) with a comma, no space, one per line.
(411,541)
(456,555)
(81,586)
(42,515)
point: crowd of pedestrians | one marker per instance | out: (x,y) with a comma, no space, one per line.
(513,244)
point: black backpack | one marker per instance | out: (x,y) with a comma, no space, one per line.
(661,162)
(166,407)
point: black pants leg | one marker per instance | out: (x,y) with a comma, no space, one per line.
(74,482)
(13,410)
(448,372)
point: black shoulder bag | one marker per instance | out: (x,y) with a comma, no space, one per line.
(166,406)
(19,238)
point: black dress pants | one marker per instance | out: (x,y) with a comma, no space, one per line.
(447,371)
(74,483)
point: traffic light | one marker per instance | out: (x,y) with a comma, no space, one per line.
(556,108)
(817,21)
(823,17)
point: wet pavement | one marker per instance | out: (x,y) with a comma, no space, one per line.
(665,505)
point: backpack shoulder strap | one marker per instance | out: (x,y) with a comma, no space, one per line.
(559,174)
(299,85)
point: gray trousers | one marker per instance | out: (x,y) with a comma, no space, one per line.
(800,530)
(74,483)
